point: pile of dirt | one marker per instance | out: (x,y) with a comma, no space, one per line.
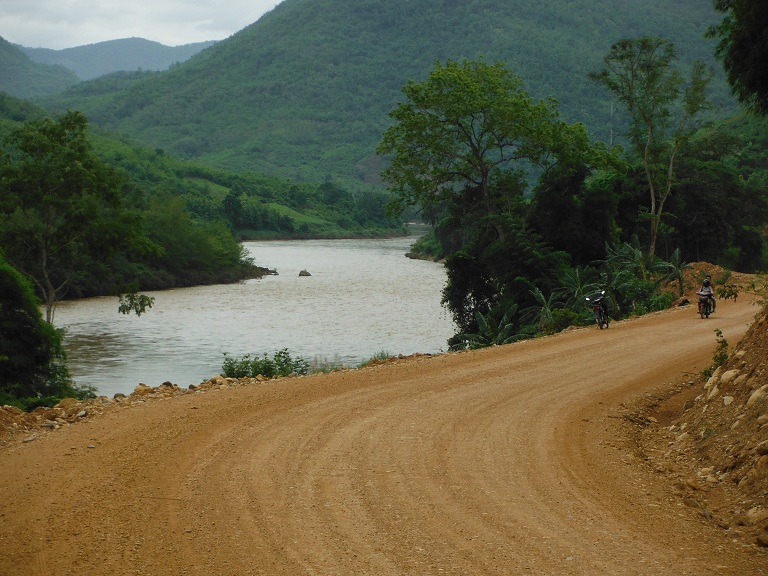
(727,283)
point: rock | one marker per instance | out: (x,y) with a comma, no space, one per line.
(304,273)
(762,448)
(692,484)
(757,396)
(714,378)
(142,390)
(218,380)
(727,400)
(728,376)
(69,407)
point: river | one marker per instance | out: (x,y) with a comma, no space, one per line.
(363,297)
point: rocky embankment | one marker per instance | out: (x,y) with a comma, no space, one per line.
(16,424)
(711,438)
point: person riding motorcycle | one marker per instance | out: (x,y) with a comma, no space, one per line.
(708,292)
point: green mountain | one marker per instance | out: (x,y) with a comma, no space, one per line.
(23,78)
(305,91)
(94,60)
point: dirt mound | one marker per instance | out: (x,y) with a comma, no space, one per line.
(726,283)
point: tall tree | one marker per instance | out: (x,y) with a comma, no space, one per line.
(470,125)
(664,109)
(743,48)
(60,206)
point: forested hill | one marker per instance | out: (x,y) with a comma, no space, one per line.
(23,78)
(94,60)
(305,92)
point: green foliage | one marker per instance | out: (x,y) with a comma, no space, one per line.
(674,270)
(33,369)
(462,148)
(575,284)
(94,60)
(136,303)
(23,78)
(257,102)
(633,286)
(720,195)
(280,364)
(427,247)
(61,206)
(493,329)
(664,110)
(743,48)
(574,208)
(720,356)
(467,126)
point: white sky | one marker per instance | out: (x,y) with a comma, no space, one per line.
(61,24)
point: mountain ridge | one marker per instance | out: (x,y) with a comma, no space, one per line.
(90,61)
(305,91)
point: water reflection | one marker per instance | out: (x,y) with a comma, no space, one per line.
(363,297)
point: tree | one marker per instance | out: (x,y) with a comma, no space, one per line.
(464,147)
(470,125)
(664,111)
(33,366)
(743,48)
(61,207)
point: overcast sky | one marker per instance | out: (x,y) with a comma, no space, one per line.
(61,24)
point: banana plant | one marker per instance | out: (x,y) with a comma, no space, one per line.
(490,331)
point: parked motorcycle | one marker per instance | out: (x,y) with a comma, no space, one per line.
(600,308)
(705,304)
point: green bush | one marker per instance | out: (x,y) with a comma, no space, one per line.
(281,364)
(33,367)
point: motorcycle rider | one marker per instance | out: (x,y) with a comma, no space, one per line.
(707,291)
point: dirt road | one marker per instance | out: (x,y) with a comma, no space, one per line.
(505,461)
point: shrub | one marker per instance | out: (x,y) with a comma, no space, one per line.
(280,364)
(33,363)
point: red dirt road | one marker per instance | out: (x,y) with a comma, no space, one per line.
(506,461)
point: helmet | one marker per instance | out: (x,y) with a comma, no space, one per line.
(706,282)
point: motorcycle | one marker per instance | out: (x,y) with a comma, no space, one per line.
(600,308)
(705,304)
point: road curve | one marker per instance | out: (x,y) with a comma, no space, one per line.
(504,461)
